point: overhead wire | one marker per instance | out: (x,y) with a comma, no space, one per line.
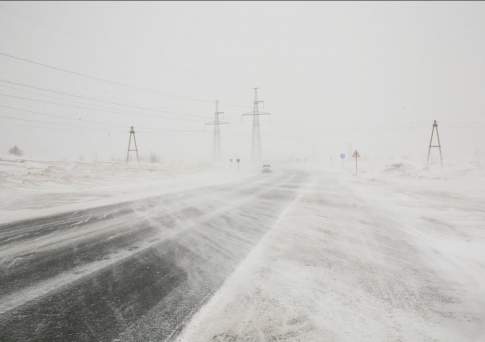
(100,79)
(63,117)
(78,119)
(108,81)
(89,98)
(101,109)
(92,100)
(100,127)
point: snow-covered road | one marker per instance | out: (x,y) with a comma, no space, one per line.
(358,260)
(134,271)
(289,256)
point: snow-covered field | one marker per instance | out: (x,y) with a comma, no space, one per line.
(30,188)
(396,254)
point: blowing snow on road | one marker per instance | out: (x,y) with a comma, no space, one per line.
(351,260)
(292,256)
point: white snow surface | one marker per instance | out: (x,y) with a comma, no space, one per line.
(33,188)
(394,254)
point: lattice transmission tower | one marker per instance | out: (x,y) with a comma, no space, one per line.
(132,149)
(217,133)
(438,143)
(256,148)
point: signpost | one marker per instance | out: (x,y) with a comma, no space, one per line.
(356,155)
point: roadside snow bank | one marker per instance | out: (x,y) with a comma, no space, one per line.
(449,170)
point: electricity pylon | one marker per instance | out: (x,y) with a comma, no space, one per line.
(435,128)
(217,133)
(256,150)
(130,149)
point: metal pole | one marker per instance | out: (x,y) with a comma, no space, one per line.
(217,136)
(216,139)
(132,133)
(136,147)
(435,127)
(256,148)
(431,142)
(256,140)
(439,144)
(128,150)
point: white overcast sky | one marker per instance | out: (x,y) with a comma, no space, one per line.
(368,75)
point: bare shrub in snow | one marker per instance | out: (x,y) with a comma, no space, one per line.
(16,151)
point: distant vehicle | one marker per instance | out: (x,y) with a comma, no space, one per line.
(266,168)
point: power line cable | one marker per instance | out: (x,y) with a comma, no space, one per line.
(55,115)
(92,108)
(103,127)
(99,79)
(56,31)
(43,122)
(105,80)
(89,98)
(74,120)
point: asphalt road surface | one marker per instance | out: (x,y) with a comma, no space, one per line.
(134,271)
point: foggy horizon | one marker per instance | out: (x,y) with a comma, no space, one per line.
(370,75)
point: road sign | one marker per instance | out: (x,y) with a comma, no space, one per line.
(343,156)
